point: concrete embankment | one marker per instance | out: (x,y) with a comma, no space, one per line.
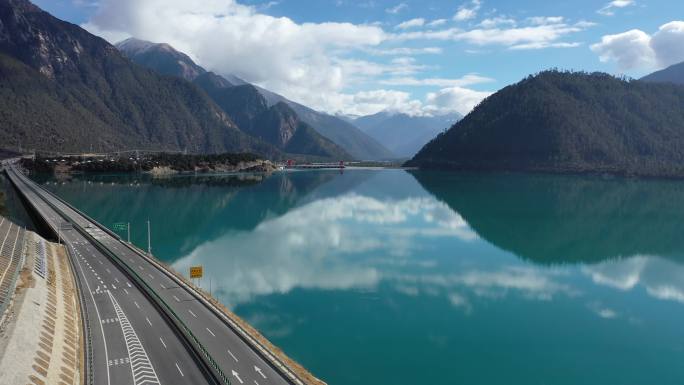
(41,333)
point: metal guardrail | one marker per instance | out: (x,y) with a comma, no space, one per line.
(85,320)
(156,300)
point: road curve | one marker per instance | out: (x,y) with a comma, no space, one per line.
(243,360)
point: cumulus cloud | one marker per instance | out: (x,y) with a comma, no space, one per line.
(609,9)
(636,49)
(454,98)
(312,63)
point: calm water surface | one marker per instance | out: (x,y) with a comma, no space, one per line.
(394,277)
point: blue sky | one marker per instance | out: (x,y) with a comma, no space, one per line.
(356,57)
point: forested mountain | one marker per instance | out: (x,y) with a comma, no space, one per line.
(278,124)
(403,134)
(164,59)
(568,122)
(62,88)
(671,74)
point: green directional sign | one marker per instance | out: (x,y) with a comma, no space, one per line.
(120,227)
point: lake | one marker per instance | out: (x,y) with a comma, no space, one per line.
(410,277)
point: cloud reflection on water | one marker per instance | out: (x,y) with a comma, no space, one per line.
(661,278)
(314,246)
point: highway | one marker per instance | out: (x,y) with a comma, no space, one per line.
(132,343)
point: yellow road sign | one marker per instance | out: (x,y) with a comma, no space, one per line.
(196,272)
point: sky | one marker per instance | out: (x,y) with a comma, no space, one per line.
(421,57)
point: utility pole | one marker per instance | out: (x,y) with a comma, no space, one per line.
(129,232)
(149,241)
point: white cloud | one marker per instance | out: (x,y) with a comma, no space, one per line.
(668,43)
(468,11)
(543,45)
(631,49)
(413,23)
(609,9)
(466,80)
(539,32)
(406,51)
(437,23)
(398,8)
(497,21)
(449,99)
(636,49)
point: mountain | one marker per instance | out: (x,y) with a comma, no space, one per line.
(160,57)
(403,134)
(278,124)
(568,122)
(64,89)
(164,59)
(671,74)
(344,133)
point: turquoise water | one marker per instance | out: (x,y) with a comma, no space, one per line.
(395,277)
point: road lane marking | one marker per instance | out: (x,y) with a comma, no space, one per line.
(232,355)
(162,341)
(176,298)
(162,286)
(193,314)
(97,312)
(126,291)
(150,275)
(237,375)
(128,284)
(179,371)
(136,304)
(148,321)
(210,332)
(141,367)
(258,370)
